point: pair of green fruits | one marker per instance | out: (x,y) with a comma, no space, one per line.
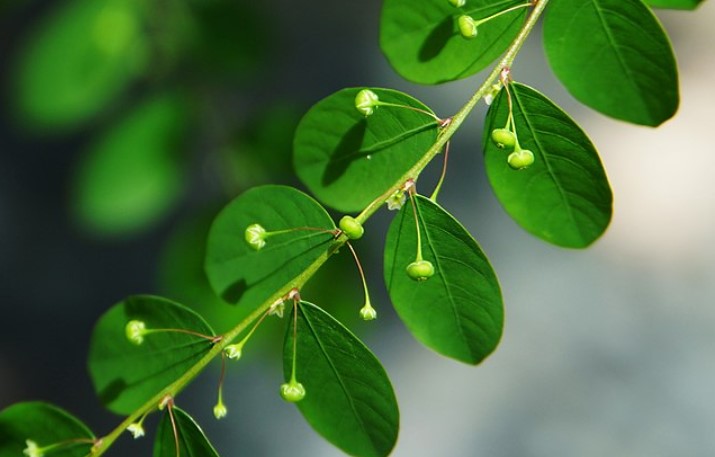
(519,158)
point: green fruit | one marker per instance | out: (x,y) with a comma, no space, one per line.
(467,27)
(420,270)
(518,160)
(292,392)
(351,227)
(457,3)
(503,138)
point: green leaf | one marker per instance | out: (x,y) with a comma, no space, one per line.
(423,44)
(614,56)
(246,277)
(349,399)
(45,425)
(126,375)
(457,312)
(79,59)
(347,160)
(564,197)
(133,175)
(675,4)
(192,441)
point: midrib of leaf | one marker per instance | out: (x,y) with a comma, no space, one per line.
(338,377)
(557,184)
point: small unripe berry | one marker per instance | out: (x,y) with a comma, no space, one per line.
(420,270)
(518,160)
(351,227)
(366,101)
(292,392)
(457,3)
(467,26)
(503,138)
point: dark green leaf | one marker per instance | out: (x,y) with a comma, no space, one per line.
(675,4)
(564,197)
(423,43)
(246,277)
(126,375)
(45,425)
(79,60)
(614,56)
(457,312)
(348,160)
(133,175)
(192,441)
(349,399)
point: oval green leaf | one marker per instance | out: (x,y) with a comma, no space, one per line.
(458,312)
(247,277)
(674,4)
(192,440)
(79,59)
(347,160)
(423,44)
(133,175)
(126,375)
(614,56)
(44,425)
(349,399)
(564,197)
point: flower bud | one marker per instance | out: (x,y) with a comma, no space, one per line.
(368,313)
(233,351)
(135,331)
(366,101)
(420,270)
(292,392)
(136,429)
(220,410)
(467,26)
(503,138)
(255,236)
(518,160)
(351,227)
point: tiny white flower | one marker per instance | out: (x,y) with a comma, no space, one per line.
(220,410)
(135,331)
(489,98)
(395,202)
(277,309)
(136,429)
(233,351)
(255,236)
(32,449)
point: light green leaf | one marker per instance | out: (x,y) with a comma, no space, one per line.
(192,441)
(564,197)
(45,425)
(126,375)
(614,56)
(79,59)
(247,277)
(133,175)
(674,4)
(457,312)
(349,399)
(347,160)
(423,44)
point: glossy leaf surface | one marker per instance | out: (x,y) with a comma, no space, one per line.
(45,425)
(126,375)
(346,159)
(133,175)
(564,197)
(614,56)
(79,59)
(675,4)
(423,44)
(246,277)
(349,399)
(458,312)
(192,441)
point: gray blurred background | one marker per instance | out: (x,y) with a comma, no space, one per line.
(607,351)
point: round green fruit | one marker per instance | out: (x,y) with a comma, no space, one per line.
(420,270)
(503,138)
(518,160)
(351,227)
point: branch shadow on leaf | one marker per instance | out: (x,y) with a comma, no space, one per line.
(437,40)
(347,151)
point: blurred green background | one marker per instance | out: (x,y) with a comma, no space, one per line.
(125,125)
